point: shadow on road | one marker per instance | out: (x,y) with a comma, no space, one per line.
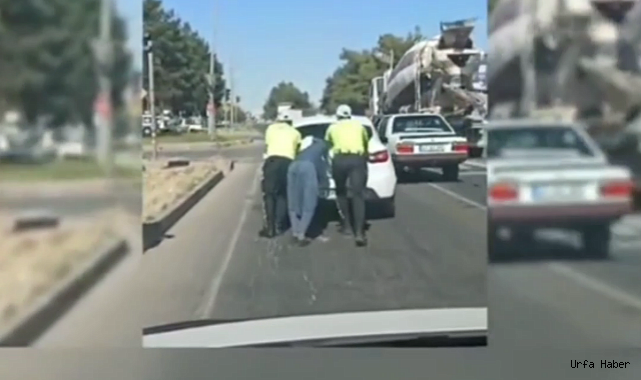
(421,176)
(540,250)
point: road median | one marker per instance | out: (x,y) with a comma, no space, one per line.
(47,265)
(172,188)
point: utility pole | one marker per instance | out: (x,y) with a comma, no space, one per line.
(211,107)
(151,98)
(232,103)
(103,107)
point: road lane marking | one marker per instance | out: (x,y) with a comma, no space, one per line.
(564,270)
(210,299)
(596,285)
(458,196)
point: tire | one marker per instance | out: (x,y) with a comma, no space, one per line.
(596,241)
(451,172)
(146,132)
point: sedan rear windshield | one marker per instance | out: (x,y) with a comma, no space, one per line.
(318,130)
(420,123)
(547,139)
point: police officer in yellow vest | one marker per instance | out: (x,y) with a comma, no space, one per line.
(282,142)
(349,141)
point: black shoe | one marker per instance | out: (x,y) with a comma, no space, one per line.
(361,240)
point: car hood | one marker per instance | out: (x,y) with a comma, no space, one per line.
(318,327)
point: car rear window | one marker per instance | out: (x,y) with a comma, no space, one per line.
(526,139)
(319,130)
(420,123)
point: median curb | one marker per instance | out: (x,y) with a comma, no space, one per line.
(153,232)
(168,147)
(47,310)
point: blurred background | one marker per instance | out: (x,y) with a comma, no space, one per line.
(564,168)
(70,165)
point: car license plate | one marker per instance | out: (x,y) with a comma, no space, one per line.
(432,148)
(558,192)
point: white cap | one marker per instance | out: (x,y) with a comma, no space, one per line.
(283,117)
(343,111)
(307,141)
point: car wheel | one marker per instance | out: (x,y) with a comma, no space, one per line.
(450,172)
(596,241)
(146,132)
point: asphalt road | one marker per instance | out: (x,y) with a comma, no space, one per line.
(549,295)
(128,197)
(284,364)
(213,265)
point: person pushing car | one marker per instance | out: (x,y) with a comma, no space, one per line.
(306,176)
(349,141)
(282,142)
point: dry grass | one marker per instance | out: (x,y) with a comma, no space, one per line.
(32,262)
(163,187)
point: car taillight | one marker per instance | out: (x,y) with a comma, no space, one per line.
(405,148)
(461,147)
(619,189)
(379,157)
(503,192)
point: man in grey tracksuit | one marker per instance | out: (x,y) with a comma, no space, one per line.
(306,176)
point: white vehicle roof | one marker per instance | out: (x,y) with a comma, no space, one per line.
(320,119)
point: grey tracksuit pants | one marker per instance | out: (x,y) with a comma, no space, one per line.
(302,195)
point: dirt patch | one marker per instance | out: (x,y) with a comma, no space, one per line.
(164,187)
(33,262)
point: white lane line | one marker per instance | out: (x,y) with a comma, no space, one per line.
(596,285)
(210,298)
(458,196)
(566,271)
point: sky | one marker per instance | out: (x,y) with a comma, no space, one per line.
(131,11)
(266,42)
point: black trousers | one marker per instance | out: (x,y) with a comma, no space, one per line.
(274,187)
(352,169)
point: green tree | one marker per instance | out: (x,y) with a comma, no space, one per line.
(491,5)
(349,84)
(286,92)
(181,63)
(48,66)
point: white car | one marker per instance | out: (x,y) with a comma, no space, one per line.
(423,140)
(381,177)
(547,174)
(416,328)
